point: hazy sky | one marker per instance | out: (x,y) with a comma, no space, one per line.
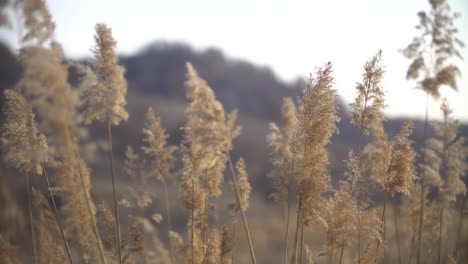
(292,37)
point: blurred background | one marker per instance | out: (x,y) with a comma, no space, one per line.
(252,53)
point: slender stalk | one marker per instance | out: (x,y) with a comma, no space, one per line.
(244,219)
(57,217)
(297,233)
(205,221)
(167,205)
(330,249)
(422,194)
(87,197)
(383,223)
(358,154)
(192,219)
(288,208)
(91,215)
(302,244)
(359,231)
(288,213)
(114,192)
(341,254)
(168,216)
(397,235)
(460,227)
(441,221)
(31,222)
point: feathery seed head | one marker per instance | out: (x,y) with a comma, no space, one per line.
(369,103)
(156,147)
(281,141)
(208,133)
(105,88)
(316,123)
(433,51)
(23,146)
(401,173)
(243,185)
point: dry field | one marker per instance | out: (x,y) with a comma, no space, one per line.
(192,202)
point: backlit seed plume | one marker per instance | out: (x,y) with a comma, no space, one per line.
(38,23)
(208,133)
(134,166)
(316,124)
(197,255)
(339,218)
(281,143)
(156,148)
(432,52)
(213,252)
(367,109)
(45,83)
(105,88)
(23,147)
(392,162)
(401,174)
(243,185)
(453,153)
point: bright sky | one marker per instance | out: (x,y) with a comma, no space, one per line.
(292,37)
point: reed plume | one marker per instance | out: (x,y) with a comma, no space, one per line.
(367,115)
(213,252)
(160,154)
(39,27)
(281,141)
(339,220)
(316,124)
(23,147)
(208,137)
(243,187)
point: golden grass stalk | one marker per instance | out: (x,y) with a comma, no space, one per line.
(57,217)
(242,202)
(208,137)
(31,222)
(104,92)
(316,124)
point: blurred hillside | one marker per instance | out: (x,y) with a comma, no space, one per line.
(156,77)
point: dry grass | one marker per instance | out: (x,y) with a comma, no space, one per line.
(422,218)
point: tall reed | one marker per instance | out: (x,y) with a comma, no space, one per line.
(432,54)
